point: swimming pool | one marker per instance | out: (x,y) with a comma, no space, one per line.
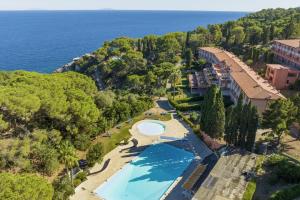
(151,127)
(147,177)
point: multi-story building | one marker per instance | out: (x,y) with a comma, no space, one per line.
(236,78)
(287,52)
(281,76)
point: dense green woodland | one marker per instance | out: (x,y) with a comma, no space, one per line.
(25,186)
(46,118)
(143,65)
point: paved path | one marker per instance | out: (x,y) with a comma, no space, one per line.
(122,155)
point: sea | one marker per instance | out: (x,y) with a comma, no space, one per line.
(45,40)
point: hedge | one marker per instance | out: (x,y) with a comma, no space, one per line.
(184,106)
(286,194)
(190,99)
(191,124)
(250,190)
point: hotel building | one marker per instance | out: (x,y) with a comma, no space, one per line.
(281,77)
(235,78)
(287,52)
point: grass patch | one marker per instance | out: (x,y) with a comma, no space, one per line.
(122,133)
(185,104)
(259,164)
(250,190)
(287,193)
(166,117)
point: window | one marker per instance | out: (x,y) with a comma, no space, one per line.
(292,75)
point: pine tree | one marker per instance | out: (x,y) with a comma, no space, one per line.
(278,117)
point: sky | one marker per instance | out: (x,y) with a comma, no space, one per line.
(203,5)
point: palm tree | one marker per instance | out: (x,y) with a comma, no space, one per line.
(68,157)
(174,79)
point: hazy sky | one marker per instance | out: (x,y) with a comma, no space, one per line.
(227,5)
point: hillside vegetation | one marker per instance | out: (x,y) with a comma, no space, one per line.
(46,119)
(143,65)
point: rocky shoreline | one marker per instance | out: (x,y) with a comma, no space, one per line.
(72,66)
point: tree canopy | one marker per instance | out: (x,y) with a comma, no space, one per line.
(25,187)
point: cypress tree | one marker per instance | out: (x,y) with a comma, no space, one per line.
(219,111)
(241,125)
(187,41)
(252,127)
(243,128)
(237,112)
(272,32)
(228,125)
(213,113)
(188,57)
(139,45)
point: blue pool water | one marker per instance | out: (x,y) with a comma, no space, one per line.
(44,40)
(149,176)
(151,127)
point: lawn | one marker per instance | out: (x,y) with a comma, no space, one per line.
(122,132)
(250,190)
(291,146)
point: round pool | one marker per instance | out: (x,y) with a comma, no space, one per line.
(151,128)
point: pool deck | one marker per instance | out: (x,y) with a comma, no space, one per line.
(122,155)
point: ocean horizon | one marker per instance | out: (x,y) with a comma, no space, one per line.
(43,40)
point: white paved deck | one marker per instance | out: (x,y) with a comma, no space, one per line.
(124,154)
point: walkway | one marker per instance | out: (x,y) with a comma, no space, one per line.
(122,155)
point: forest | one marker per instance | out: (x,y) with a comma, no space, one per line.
(142,65)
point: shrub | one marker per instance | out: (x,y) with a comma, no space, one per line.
(76,182)
(284,168)
(184,106)
(250,190)
(94,154)
(191,124)
(45,159)
(286,194)
(63,188)
(82,176)
(25,187)
(82,142)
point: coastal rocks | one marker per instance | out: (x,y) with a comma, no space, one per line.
(74,64)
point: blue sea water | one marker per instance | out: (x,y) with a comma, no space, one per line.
(44,40)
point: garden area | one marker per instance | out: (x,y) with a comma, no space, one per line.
(278,178)
(120,133)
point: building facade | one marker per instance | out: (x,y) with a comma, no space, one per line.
(281,77)
(236,78)
(287,52)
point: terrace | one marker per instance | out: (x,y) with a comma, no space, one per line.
(176,133)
